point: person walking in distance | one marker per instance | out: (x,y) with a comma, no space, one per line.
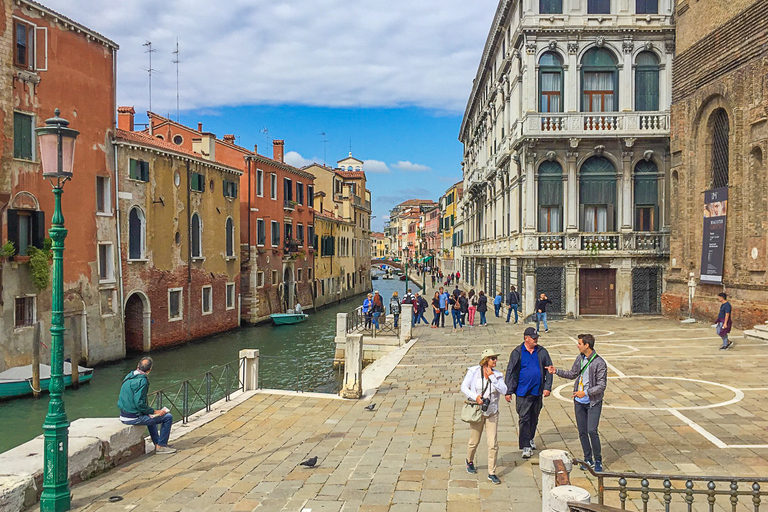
(368,310)
(724,321)
(472,307)
(394,308)
(455,306)
(529,380)
(484,383)
(497,303)
(513,303)
(541,311)
(591,378)
(419,301)
(464,307)
(436,310)
(443,305)
(482,307)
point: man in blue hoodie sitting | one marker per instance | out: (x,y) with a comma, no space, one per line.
(134,409)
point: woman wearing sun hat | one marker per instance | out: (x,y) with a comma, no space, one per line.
(485,382)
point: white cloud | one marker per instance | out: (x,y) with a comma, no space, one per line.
(411,167)
(295,159)
(376,167)
(332,53)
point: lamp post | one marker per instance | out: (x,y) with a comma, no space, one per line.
(57,155)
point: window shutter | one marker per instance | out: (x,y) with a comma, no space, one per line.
(655,224)
(41,49)
(611,219)
(38,229)
(581,217)
(13,228)
(560,227)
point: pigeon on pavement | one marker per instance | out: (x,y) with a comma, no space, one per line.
(370,407)
(310,462)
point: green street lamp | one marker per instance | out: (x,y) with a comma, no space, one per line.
(57,155)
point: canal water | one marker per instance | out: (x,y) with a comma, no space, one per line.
(292,357)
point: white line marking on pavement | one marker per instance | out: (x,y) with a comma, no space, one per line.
(615,370)
(748,446)
(754,389)
(698,428)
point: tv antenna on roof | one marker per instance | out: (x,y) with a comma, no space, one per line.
(177,61)
(149,70)
(325,144)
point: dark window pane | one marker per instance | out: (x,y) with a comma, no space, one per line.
(647,6)
(551,6)
(196,250)
(598,6)
(135,234)
(720,131)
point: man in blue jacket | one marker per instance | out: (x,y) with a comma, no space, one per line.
(134,409)
(529,380)
(443,297)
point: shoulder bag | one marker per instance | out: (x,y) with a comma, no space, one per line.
(472,413)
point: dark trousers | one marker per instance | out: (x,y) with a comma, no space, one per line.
(442,317)
(528,410)
(436,320)
(165,421)
(587,419)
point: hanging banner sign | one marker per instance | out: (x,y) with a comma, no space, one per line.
(713,242)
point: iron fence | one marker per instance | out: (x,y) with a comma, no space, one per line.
(200,392)
(657,489)
(299,373)
(358,324)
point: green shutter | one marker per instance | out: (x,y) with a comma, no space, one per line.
(22,136)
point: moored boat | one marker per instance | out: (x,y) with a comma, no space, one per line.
(288,318)
(17,381)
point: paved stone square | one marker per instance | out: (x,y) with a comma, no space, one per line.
(675,403)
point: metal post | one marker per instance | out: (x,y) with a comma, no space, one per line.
(406,276)
(55,496)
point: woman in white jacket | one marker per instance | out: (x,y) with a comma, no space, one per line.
(484,381)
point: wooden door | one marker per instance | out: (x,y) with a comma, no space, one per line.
(597,292)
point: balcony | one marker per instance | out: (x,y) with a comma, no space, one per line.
(289,205)
(589,244)
(626,124)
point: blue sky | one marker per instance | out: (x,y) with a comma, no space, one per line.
(393,77)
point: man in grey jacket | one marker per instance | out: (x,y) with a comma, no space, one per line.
(591,378)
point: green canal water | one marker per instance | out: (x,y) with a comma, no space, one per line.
(298,356)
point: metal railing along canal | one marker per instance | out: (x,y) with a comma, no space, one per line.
(299,373)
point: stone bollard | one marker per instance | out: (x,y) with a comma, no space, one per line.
(250,369)
(341,328)
(406,323)
(353,367)
(547,460)
(560,496)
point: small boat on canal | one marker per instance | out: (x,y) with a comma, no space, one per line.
(289,318)
(17,381)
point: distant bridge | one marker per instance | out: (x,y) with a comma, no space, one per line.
(389,263)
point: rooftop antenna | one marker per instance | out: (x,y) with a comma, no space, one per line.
(149,70)
(350,146)
(325,144)
(177,61)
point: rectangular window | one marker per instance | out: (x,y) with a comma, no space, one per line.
(300,233)
(106,263)
(275,233)
(259,279)
(550,219)
(599,88)
(299,193)
(274,277)
(261,232)
(298,275)
(287,189)
(26,228)
(103,195)
(550,6)
(595,219)
(174,304)
(645,218)
(197,182)
(598,6)
(647,6)
(229,188)
(230,295)
(551,85)
(25,311)
(311,236)
(259,183)
(139,170)
(309,275)
(23,136)
(311,196)
(25,44)
(207,300)
(273,186)
(288,231)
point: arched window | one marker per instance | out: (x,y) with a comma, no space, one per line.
(230,237)
(196,236)
(597,195)
(647,82)
(550,197)
(136,234)
(719,132)
(550,6)
(646,196)
(550,83)
(599,81)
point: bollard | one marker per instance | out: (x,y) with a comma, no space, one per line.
(353,367)
(560,496)
(250,359)
(547,460)
(406,323)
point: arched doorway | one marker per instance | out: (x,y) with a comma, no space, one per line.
(289,297)
(137,323)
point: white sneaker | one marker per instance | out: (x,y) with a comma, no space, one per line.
(533,444)
(527,453)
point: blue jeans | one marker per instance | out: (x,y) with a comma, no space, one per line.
(541,317)
(436,319)
(496,308)
(457,318)
(151,423)
(509,313)
(483,321)
(376,319)
(397,317)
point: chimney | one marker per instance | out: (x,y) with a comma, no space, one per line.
(125,118)
(229,138)
(200,127)
(255,149)
(278,150)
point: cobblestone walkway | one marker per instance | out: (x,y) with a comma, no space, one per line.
(675,403)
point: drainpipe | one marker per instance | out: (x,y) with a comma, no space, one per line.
(189,250)
(119,251)
(248,162)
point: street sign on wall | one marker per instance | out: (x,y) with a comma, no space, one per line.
(713,240)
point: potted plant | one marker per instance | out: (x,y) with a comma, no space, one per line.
(7,250)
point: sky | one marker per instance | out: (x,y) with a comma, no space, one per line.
(387,79)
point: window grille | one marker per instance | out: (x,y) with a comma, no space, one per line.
(720,134)
(551,280)
(646,290)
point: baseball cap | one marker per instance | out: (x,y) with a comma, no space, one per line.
(531,331)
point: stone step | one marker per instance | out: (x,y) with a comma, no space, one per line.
(762,328)
(756,335)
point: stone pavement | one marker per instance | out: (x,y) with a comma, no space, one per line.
(675,403)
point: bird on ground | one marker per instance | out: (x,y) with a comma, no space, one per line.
(370,407)
(310,462)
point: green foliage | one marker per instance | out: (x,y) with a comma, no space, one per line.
(39,267)
(7,250)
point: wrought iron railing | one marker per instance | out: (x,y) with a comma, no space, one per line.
(200,392)
(358,323)
(299,373)
(659,489)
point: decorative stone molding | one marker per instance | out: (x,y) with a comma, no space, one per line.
(574,142)
(551,155)
(669,47)
(648,45)
(628,45)
(573,48)
(600,41)
(599,150)
(530,48)
(630,141)
(647,155)
(552,44)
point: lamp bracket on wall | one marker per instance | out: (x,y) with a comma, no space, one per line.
(160,200)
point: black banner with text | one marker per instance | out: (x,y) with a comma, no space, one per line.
(713,242)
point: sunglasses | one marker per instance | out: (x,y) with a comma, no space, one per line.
(493,358)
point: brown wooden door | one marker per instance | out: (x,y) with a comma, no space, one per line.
(597,292)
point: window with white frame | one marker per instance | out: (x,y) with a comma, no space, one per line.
(259,279)
(230,227)
(106,262)
(275,233)
(230,295)
(273,186)
(207,300)
(103,195)
(175,304)
(25,313)
(259,183)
